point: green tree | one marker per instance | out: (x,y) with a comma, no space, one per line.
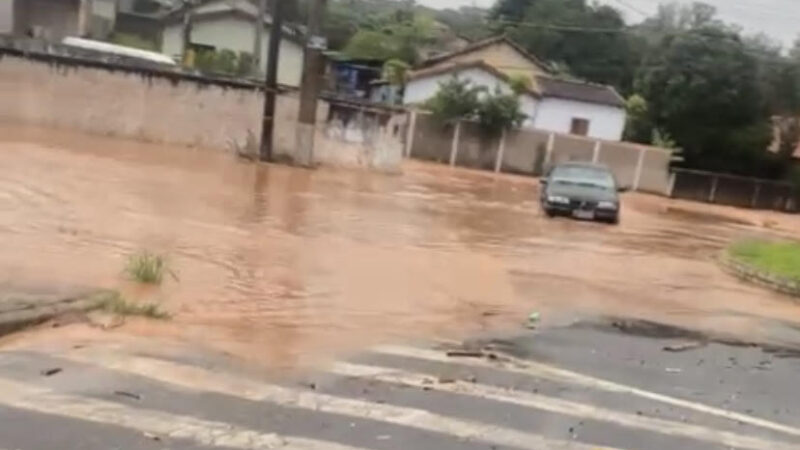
(457,99)
(395,71)
(717,118)
(639,127)
(498,111)
(399,38)
(547,29)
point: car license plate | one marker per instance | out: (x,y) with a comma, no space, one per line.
(583,214)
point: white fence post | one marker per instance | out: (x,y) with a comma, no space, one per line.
(454,148)
(551,142)
(498,163)
(756,193)
(637,177)
(671,187)
(412,129)
(596,152)
(713,194)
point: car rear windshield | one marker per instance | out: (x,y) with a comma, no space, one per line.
(583,176)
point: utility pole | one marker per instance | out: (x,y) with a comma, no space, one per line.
(259,31)
(311,83)
(186,37)
(271,82)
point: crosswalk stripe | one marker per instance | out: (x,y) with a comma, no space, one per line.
(556,405)
(158,423)
(201,379)
(545,371)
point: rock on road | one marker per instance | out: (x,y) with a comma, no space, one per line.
(576,388)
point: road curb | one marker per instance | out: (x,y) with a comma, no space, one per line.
(19,319)
(751,274)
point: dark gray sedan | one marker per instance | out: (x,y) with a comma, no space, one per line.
(581,190)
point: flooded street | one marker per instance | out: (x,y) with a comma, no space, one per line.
(289,266)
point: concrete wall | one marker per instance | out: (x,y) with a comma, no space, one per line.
(420,90)
(174,108)
(530,152)
(6,16)
(605,122)
(50,19)
(354,137)
(236,33)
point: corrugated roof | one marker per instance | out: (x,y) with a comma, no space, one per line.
(580,91)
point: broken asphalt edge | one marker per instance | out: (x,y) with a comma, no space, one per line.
(20,319)
(763,278)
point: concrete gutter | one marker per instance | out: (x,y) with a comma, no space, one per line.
(20,312)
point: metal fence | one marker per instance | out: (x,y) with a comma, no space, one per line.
(733,190)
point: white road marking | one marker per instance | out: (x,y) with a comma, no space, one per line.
(545,371)
(216,434)
(201,379)
(556,405)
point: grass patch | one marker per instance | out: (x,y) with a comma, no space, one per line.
(147,268)
(115,303)
(780,258)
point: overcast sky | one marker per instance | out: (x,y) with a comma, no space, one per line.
(777,18)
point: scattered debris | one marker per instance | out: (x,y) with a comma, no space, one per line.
(128,394)
(465,354)
(51,372)
(673,370)
(152,436)
(684,346)
(533,320)
(105,320)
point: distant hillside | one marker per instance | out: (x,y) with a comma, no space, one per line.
(454,26)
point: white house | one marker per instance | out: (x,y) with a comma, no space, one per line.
(551,104)
(229,24)
(424,84)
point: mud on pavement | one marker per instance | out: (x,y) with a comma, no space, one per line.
(289,266)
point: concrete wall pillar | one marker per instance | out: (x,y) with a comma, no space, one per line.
(548,157)
(410,132)
(85,8)
(637,177)
(501,150)
(454,148)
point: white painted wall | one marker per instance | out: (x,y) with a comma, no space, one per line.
(605,122)
(420,90)
(237,34)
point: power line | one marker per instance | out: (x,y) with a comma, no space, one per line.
(635,9)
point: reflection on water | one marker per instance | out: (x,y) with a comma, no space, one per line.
(288,265)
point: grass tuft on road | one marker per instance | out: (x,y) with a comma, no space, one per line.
(146,267)
(780,258)
(115,303)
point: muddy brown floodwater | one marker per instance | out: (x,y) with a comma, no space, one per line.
(287,266)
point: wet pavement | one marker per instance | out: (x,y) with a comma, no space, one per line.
(577,387)
(297,293)
(289,267)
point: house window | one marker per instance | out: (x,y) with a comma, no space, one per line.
(579,127)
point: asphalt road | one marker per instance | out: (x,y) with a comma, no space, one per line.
(571,388)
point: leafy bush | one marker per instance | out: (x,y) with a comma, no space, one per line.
(146,267)
(455,100)
(458,100)
(116,304)
(498,112)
